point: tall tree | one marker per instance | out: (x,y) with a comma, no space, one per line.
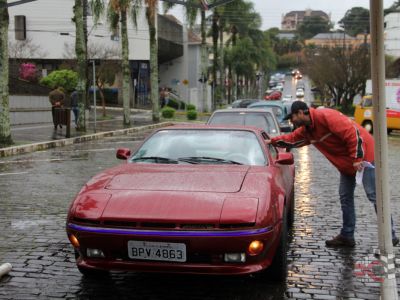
(151,14)
(5,129)
(340,73)
(81,56)
(355,21)
(313,25)
(117,12)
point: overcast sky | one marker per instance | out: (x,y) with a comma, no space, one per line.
(271,11)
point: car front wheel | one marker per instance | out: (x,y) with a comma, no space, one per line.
(277,271)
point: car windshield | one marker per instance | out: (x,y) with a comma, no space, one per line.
(261,120)
(201,147)
(277,110)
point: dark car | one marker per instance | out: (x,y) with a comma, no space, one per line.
(261,118)
(243,103)
(191,199)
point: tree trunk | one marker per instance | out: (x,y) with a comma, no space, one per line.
(5,130)
(221,59)
(151,19)
(80,50)
(126,73)
(215,34)
(204,59)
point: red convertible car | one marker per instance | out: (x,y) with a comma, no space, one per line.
(191,199)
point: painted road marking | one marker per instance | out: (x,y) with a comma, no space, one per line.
(17,173)
(38,160)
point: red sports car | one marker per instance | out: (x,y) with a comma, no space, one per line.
(191,199)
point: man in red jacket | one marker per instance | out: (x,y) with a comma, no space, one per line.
(348,146)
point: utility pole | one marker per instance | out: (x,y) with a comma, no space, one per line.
(388,286)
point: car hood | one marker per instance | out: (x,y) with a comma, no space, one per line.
(179,178)
(168,194)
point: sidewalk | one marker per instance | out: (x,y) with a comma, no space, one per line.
(29,138)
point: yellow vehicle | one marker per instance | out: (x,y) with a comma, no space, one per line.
(363,115)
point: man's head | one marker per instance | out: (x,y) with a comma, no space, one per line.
(299,114)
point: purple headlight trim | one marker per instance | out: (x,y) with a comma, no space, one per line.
(169,233)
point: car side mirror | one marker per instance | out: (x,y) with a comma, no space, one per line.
(285,158)
(123,153)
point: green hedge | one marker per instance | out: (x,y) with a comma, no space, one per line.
(168,112)
(190,107)
(191,114)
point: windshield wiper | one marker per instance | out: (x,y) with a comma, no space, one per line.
(157,159)
(200,159)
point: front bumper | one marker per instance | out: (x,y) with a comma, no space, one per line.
(205,249)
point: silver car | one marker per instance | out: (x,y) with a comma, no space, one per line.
(261,118)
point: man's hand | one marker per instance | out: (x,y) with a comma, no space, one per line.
(358,166)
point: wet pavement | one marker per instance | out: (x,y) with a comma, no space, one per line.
(37,188)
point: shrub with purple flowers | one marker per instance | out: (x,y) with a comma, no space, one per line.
(28,71)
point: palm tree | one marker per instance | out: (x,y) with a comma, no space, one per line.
(117,11)
(5,130)
(151,14)
(81,56)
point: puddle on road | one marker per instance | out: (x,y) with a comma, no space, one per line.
(25,224)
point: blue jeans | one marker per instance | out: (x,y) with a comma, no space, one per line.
(346,193)
(75,110)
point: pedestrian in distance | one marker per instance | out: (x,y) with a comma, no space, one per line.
(348,146)
(74,106)
(56,98)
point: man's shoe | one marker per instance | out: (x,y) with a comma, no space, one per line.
(340,241)
(395,241)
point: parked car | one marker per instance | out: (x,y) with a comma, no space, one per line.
(287,98)
(275,95)
(191,199)
(280,109)
(261,118)
(299,93)
(243,103)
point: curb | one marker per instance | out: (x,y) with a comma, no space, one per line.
(9,151)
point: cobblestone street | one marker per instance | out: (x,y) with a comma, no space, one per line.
(36,191)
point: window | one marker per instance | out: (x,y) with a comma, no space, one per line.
(20,28)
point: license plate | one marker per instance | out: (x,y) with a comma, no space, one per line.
(157,251)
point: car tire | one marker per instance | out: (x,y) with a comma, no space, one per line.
(368,126)
(277,271)
(88,272)
(291,214)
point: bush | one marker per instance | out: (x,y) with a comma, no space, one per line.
(28,72)
(67,79)
(191,115)
(168,112)
(175,103)
(190,107)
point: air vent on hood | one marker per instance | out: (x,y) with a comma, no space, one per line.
(234,226)
(86,221)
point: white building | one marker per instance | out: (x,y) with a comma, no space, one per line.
(48,24)
(43,32)
(392,34)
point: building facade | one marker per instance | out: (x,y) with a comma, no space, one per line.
(392,34)
(293,19)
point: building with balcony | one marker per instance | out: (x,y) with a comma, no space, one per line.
(293,19)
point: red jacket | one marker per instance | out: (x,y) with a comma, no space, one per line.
(340,139)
